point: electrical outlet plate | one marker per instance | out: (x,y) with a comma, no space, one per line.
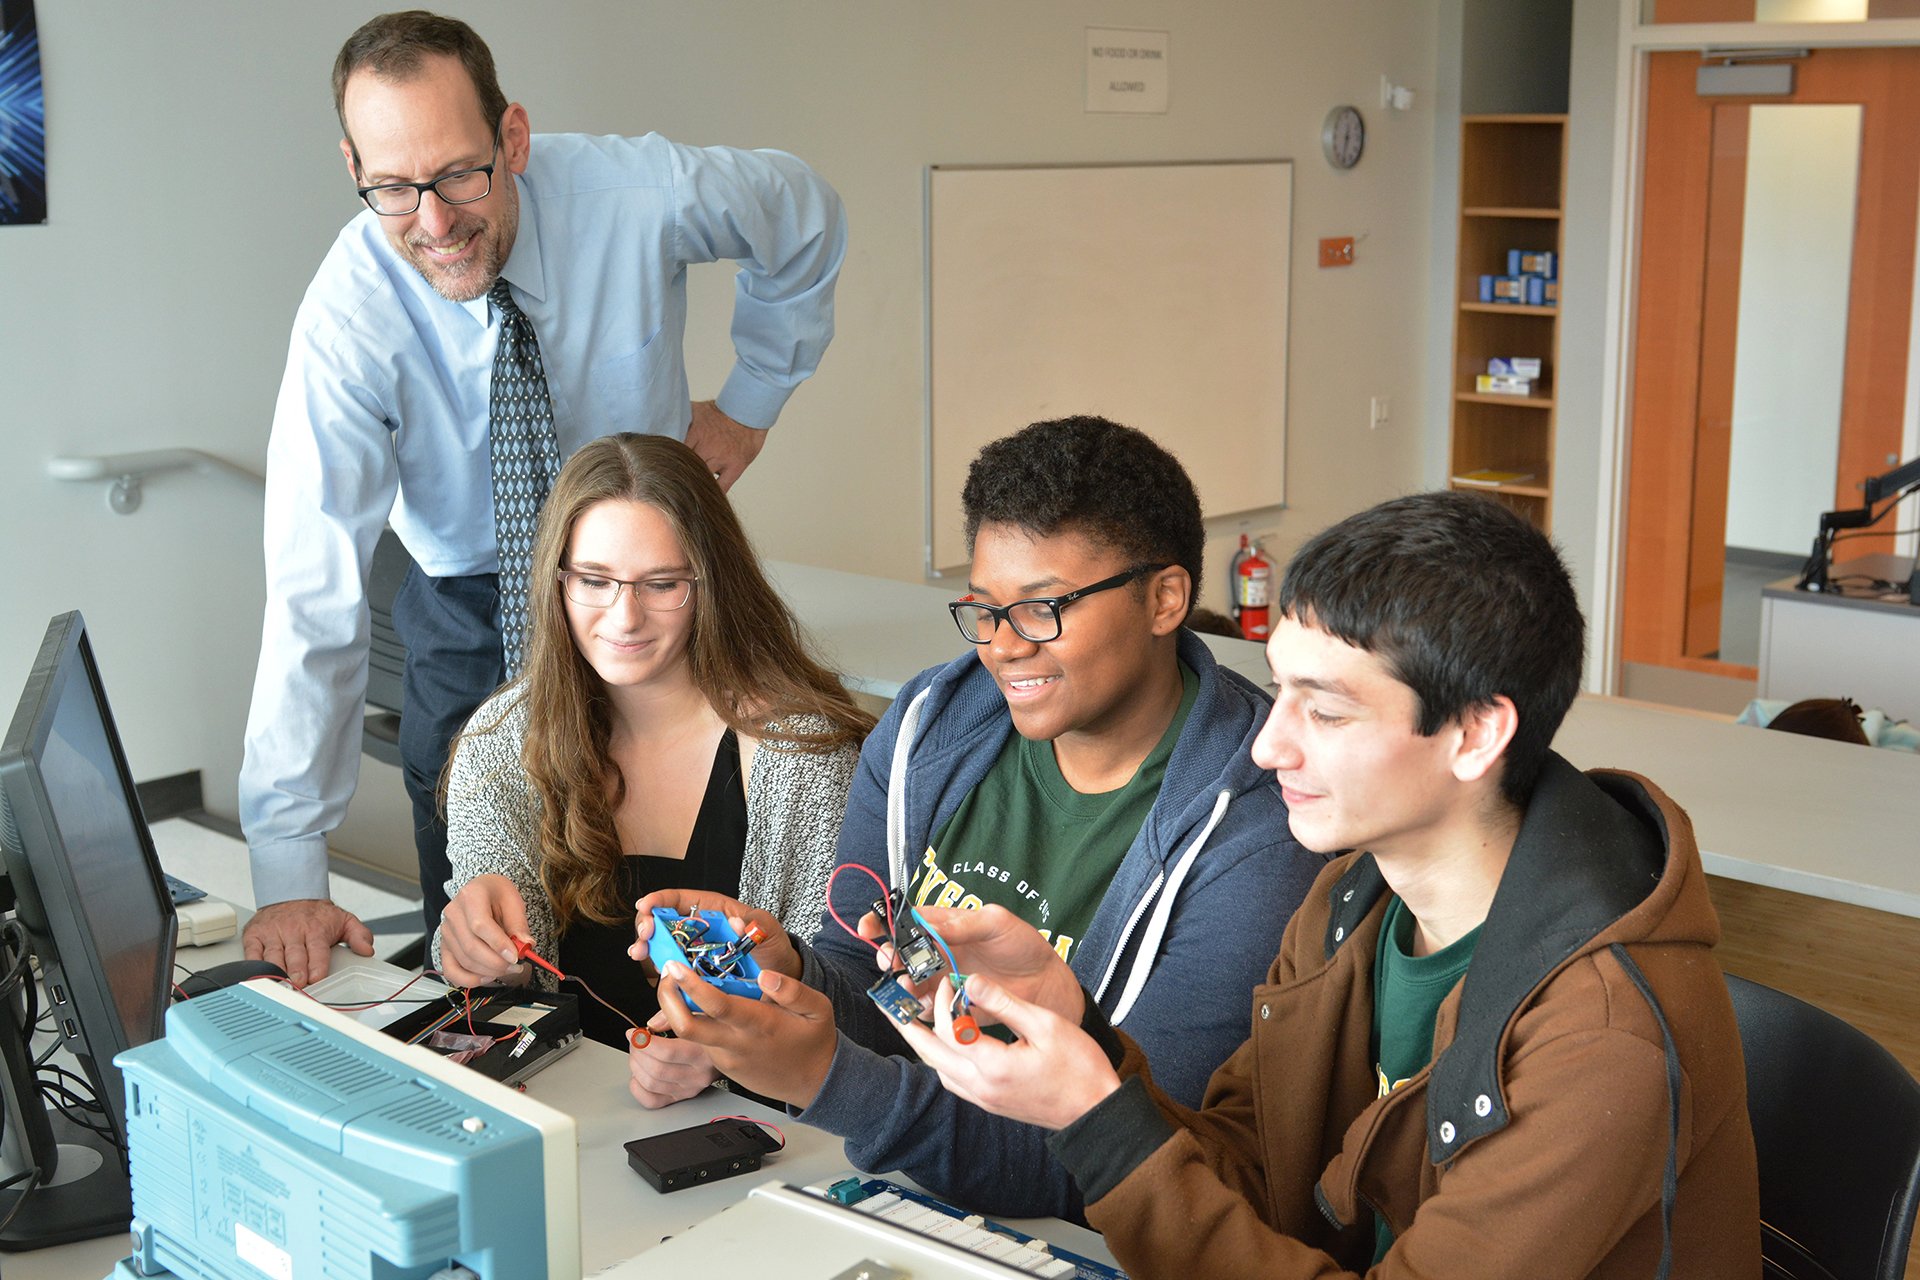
(1382,410)
(1337,252)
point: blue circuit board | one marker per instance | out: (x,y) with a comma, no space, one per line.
(663,949)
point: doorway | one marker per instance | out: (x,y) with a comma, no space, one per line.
(1772,330)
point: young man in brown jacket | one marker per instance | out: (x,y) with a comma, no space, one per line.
(1495,1042)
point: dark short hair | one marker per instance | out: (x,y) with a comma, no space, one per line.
(393,46)
(1464,601)
(1087,475)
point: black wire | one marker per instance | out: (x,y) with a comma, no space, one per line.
(62,1097)
(1875,533)
(90,1100)
(98,1131)
(50,1050)
(10,981)
(24,1193)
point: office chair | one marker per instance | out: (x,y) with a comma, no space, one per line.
(380,731)
(1836,1122)
(387,657)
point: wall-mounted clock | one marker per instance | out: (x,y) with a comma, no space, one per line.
(1343,137)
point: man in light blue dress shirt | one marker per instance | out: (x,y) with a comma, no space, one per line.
(383,413)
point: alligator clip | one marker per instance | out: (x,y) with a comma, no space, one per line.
(526,951)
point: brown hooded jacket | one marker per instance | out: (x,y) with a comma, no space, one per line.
(1544,1140)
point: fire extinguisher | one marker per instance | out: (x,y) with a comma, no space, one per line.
(1253,592)
(1233,579)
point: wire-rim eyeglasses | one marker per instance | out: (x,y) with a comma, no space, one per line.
(597,591)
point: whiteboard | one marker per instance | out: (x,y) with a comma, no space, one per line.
(1154,295)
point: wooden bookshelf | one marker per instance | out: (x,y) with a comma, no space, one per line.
(1512,194)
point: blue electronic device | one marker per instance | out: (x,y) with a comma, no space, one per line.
(743,972)
(267,1133)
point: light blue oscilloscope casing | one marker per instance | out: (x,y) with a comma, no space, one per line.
(266,1133)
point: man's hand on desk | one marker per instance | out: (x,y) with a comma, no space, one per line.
(297,936)
(726,446)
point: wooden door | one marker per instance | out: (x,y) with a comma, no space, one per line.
(1686,322)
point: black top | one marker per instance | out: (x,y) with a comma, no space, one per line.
(598,952)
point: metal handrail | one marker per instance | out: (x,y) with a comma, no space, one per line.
(127,471)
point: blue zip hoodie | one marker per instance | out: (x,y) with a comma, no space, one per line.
(1184,931)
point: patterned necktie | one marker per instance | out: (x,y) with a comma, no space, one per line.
(526,459)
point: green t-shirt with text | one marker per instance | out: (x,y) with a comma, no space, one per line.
(1027,840)
(1407,993)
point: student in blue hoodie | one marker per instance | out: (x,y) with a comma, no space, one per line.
(1087,767)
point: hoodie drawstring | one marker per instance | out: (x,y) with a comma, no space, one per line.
(1162,912)
(897,863)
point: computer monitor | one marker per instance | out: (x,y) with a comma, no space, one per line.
(270,1134)
(91,903)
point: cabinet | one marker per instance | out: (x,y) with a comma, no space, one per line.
(1512,193)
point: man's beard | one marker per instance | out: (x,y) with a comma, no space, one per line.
(471,277)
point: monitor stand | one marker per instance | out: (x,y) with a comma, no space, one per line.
(88,1196)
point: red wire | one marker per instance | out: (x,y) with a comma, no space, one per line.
(762,1123)
(886,896)
(356,1008)
(528,953)
(590,991)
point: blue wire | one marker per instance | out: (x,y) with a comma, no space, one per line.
(935,933)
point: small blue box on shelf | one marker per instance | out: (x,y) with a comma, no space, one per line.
(664,949)
(1527,262)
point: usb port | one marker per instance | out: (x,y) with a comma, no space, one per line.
(59,996)
(71,1029)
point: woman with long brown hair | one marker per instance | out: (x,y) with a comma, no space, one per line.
(670,730)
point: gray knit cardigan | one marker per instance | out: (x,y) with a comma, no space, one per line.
(795,800)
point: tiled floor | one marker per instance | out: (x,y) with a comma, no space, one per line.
(218,864)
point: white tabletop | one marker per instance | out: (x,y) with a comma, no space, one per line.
(879,633)
(1829,819)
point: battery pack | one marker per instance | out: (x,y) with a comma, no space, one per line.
(704,1153)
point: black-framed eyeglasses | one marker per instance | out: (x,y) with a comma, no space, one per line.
(464,186)
(1037,620)
(597,591)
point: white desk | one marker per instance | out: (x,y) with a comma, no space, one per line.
(879,633)
(1828,819)
(1839,646)
(1823,818)
(620,1215)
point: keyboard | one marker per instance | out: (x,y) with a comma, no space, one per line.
(923,1214)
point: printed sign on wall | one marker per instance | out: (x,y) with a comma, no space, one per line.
(1127,70)
(23,117)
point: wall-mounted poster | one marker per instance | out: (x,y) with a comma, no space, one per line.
(23,117)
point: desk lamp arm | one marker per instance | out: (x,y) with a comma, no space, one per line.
(1891,487)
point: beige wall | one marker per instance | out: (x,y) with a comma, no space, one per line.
(1577,458)
(153,312)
